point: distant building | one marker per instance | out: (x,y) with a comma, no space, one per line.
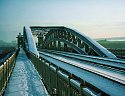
(20,40)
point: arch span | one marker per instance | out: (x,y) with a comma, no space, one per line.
(29,41)
(62,38)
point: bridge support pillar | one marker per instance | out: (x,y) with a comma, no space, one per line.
(86,48)
(54,43)
(79,42)
(59,45)
(73,38)
(40,40)
(51,45)
(65,47)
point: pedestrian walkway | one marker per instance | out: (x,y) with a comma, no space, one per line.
(25,81)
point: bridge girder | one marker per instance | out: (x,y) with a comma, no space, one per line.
(52,37)
(29,43)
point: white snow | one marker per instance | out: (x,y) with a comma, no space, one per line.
(100,47)
(25,81)
(108,86)
(31,43)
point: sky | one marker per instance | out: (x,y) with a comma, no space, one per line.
(95,18)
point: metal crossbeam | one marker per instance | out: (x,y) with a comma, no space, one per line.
(72,64)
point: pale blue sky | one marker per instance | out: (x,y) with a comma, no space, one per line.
(95,18)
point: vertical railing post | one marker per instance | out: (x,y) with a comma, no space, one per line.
(6,70)
(69,87)
(3,77)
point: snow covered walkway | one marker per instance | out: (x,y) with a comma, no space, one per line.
(25,81)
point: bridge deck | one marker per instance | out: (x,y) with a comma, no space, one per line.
(108,86)
(25,80)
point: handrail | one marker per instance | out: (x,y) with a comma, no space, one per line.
(6,70)
(5,57)
(97,68)
(115,63)
(119,52)
(70,84)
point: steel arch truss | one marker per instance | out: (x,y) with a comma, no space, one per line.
(29,43)
(66,39)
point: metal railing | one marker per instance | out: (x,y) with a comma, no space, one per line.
(119,52)
(60,82)
(6,70)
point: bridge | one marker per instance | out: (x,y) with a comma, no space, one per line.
(63,62)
